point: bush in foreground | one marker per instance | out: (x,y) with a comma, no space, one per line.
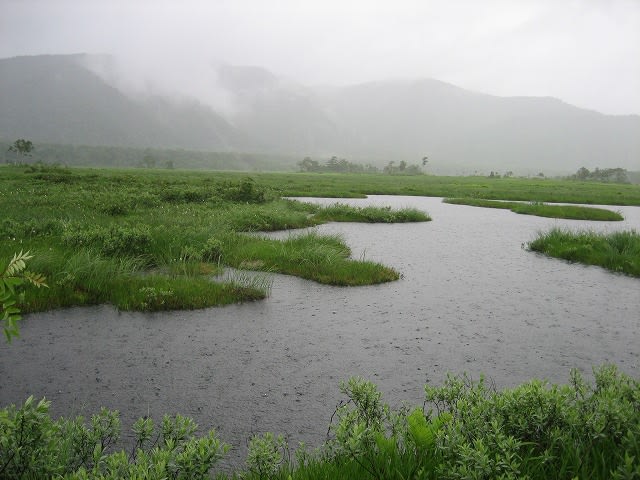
(466,430)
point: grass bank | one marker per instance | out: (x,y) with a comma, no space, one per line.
(464,430)
(617,251)
(151,240)
(516,189)
(571,212)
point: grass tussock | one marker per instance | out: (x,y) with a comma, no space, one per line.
(340,212)
(322,258)
(570,212)
(616,251)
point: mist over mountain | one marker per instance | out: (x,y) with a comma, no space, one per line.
(84,99)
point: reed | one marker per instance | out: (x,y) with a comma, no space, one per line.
(340,212)
(322,258)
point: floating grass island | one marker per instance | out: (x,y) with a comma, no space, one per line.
(539,209)
(617,251)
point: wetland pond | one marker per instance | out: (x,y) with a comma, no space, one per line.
(471,300)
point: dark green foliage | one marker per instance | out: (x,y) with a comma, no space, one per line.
(11,228)
(111,241)
(616,251)
(245,191)
(32,445)
(468,431)
(335,165)
(185,194)
(616,175)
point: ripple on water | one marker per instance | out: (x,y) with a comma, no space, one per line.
(471,299)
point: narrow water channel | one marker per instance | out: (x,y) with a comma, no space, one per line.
(471,300)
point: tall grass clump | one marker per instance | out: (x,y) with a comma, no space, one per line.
(323,258)
(340,212)
(615,251)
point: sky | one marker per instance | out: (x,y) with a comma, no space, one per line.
(584,52)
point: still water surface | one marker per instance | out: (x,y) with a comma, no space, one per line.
(471,299)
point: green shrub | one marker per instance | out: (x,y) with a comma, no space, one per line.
(185,195)
(213,250)
(245,191)
(113,240)
(11,228)
(32,445)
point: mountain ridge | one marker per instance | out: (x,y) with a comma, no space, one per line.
(58,99)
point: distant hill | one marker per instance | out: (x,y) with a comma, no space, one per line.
(54,98)
(59,99)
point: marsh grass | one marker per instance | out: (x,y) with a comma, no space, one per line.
(340,212)
(151,240)
(570,212)
(322,258)
(616,251)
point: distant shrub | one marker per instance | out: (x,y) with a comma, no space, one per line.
(185,195)
(246,191)
(29,228)
(114,209)
(213,250)
(113,240)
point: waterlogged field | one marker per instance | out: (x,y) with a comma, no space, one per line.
(467,301)
(151,241)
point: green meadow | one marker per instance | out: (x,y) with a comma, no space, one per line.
(153,240)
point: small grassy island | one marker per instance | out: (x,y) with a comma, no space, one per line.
(570,212)
(617,251)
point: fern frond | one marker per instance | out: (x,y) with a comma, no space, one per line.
(17,263)
(36,279)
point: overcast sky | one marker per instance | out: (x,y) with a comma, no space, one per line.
(585,52)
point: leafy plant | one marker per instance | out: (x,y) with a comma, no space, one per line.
(13,276)
(32,445)
(266,455)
